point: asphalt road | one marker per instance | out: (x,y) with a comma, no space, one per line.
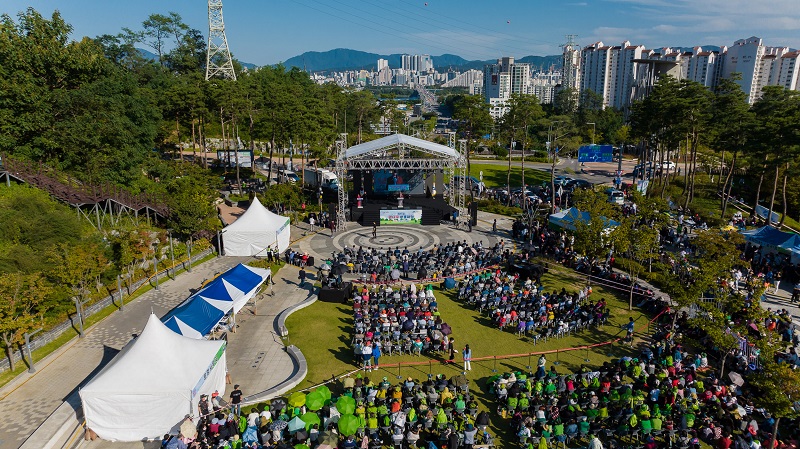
(594,172)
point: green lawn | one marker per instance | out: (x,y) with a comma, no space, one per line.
(497,175)
(323,332)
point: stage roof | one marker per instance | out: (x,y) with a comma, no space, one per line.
(401,141)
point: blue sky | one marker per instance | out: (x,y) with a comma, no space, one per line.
(270,31)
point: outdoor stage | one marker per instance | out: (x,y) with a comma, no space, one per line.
(434,210)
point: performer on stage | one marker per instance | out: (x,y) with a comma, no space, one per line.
(400,201)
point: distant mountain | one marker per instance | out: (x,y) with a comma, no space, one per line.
(154,57)
(346,59)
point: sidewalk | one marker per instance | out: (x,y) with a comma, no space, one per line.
(27,405)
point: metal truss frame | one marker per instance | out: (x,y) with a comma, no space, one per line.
(379,159)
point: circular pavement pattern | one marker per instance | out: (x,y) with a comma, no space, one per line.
(321,245)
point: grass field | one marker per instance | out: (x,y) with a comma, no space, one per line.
(497,175)
(323,332)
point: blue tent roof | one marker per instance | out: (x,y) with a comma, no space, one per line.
(567,218)
(242,277)
(198,315)
(769,236)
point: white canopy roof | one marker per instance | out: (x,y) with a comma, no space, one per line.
(400,140)
(152,384)
(256,230)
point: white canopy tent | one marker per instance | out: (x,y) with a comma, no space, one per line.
(255,231)
(152,384)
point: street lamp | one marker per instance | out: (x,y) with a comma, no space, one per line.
(594,128)
(171,253)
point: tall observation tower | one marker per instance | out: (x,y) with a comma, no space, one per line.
(218,56)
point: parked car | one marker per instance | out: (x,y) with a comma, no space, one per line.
(288,176)
(562,180)
(616,197)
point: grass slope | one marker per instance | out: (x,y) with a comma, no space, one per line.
(323,332)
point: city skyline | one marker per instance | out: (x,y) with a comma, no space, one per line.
(267,33)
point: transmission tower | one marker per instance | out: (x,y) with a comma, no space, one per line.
(218,56)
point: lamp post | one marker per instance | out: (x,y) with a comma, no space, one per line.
(171,253)
(594,128)
(28,335)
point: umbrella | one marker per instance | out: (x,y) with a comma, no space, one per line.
(736,378)
(277,405)
(339,269)
(324,446)
(296,424)
(348,425)
(408,325)
(301,435)
(395,274)
(325,267)
(459,380)
(310,418)
(327,438)
(297,399)
(346,405)
(325,392)
(446,329)
(315,401)
(188,429)
(278,425)
(301,446)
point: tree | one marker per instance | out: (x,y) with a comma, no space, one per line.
(77,267)
(524,111)
(637,238)
(472,112)
(594,238)
(21,296)
(732,123)
(778,387)
(777,115)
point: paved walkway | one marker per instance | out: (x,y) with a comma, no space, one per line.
(26,405)
(29,400)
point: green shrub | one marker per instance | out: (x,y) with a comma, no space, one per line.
(495,207)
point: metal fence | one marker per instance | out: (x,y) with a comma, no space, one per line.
(71,323)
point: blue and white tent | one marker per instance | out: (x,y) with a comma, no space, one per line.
(228,293)
(566,219)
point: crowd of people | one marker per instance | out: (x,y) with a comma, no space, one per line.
(442,260)
(664,397)
(392,321)
(522,306)
(434,412)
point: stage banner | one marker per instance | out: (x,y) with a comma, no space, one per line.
(401,216)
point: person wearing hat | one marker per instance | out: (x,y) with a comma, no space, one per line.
(215,401)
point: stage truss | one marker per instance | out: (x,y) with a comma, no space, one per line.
(453,165)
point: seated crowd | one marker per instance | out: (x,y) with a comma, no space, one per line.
(665,397)
(525,308)
(408,414)
(389,321)
(378,265)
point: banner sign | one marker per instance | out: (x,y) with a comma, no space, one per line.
(401,216)
(596,153)
(397,188)
(228,157)
(210,368)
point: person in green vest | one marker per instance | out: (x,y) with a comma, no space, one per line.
(550,388)
(657,422)
(512,402)
(372,423)
(460,404)
(524,402)
(583,425)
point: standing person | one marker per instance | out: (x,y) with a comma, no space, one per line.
(629,331)
(494,226)
(376,354)
(540,367)
(311,221)
(374,230)
(302,277)
(777,279)
(467,354)
(366,355)
(333,227)
(452,348)
(236,400)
